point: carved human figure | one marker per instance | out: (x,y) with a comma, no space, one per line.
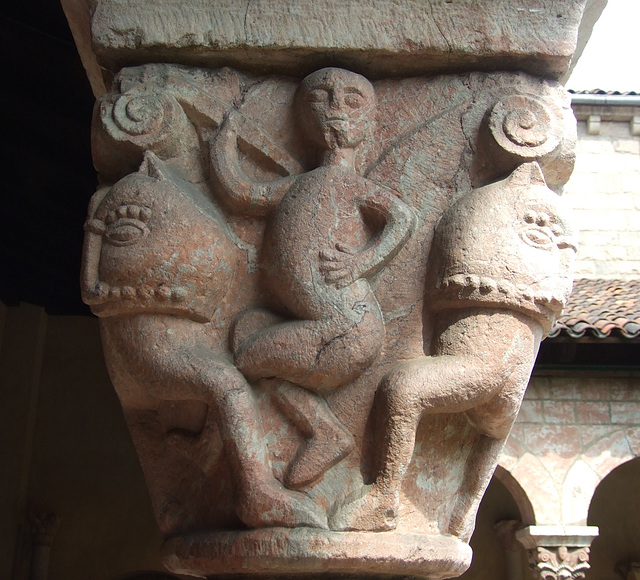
(157,262)
(501,262)
(322,244)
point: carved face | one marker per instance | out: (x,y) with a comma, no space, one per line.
(337,107)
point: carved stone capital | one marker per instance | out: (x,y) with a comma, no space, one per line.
(558,552)
(321,296)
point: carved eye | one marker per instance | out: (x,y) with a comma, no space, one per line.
(538,238)
(354,100)
(127,225)
(542,219)
(126,231)
(317,96)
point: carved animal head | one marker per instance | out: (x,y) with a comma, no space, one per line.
(155,243)
(508,244)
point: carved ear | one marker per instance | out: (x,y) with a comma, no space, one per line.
(153,166)
(528,174)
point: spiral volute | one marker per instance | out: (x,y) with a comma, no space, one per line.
(525,126)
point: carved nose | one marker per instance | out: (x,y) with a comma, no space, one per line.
(335,102)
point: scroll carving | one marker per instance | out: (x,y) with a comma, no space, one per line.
(559,564)
(321,301)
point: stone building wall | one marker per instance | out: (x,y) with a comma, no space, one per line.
(570,434)
(604,191)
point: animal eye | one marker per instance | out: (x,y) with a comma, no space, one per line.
(126,231)
(538,238)
(317,96)
(126,225)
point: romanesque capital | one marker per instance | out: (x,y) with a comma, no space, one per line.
(558,552)
(324,258)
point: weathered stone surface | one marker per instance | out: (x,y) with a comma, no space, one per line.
(379,38)
(310,552)
(321,302)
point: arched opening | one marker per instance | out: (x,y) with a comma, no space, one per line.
(615,509)
(490,559)
(527,516)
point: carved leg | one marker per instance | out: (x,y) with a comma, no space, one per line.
(173,367)
(319,354)
(471,362)
(478,471)
(423,385)
(375,507)
(262,500)
(328,440)
(494,421)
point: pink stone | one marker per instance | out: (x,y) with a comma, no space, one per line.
(593,413)
(626,413)
(321,302)
(530,412)
(559,412)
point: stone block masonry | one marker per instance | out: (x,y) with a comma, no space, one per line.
(604,192)
(569,435)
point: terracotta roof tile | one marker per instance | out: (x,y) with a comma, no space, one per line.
(601,92)
(601,308)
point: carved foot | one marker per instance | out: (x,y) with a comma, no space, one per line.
(270,504)
(462,523)
(328,441)
(327,447)
(371,509)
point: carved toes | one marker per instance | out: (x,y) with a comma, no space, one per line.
(270,504)
(371,509)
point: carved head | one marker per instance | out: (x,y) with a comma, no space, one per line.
(154,243)
(336,108)
(508,244)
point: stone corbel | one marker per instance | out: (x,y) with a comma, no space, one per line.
(558,552)
(593,124)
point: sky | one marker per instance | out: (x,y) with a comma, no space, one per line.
(611,59)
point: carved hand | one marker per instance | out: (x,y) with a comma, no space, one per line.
(341,266)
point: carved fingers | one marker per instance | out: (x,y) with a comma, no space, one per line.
(341,266)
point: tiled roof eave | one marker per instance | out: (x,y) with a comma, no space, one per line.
(601,309)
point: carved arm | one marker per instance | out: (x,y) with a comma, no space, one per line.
(400,223)
(237,191)
(344,266)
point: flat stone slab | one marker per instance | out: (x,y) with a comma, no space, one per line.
(308,551)
(378,38)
